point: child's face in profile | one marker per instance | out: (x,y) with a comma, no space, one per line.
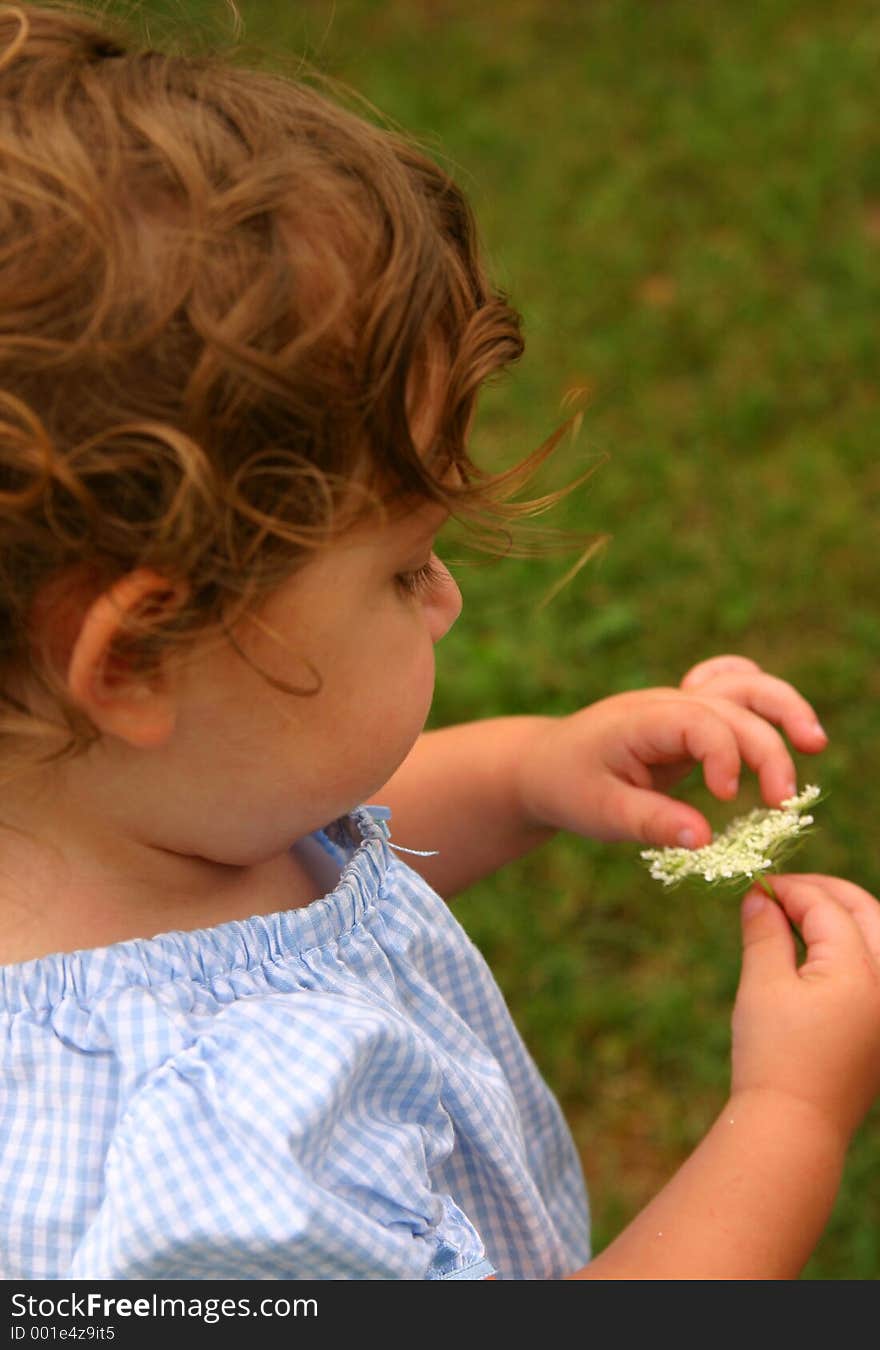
(359,619)
(352,616)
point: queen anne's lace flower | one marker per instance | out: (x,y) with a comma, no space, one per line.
(751,844)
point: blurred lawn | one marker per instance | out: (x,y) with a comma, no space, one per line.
(684,202)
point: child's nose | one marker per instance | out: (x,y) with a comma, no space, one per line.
(445,604)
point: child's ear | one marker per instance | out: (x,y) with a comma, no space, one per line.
(136,707)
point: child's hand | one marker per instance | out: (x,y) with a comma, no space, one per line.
(811,1032)
(744,682)
(602,771)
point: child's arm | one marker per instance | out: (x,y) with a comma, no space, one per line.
(486,792)
(749,1204)
(752,1200)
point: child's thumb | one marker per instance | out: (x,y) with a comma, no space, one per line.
(768,945)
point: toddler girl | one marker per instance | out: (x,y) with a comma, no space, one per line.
(243,1037)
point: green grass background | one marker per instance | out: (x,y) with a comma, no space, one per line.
(683,200)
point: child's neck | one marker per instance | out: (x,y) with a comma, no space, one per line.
(67,900)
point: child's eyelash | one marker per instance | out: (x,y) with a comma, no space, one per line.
(421,579)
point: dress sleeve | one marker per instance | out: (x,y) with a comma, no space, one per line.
(295,1139)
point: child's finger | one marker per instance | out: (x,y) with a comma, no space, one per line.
(776,701)
(859,903)
(683,730)
(717,734)
(717,665)
(653,818)
(769,950)
(832,937)
(762,748)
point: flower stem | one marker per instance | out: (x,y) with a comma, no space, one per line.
(766,887)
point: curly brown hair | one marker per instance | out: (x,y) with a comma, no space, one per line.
(220,295)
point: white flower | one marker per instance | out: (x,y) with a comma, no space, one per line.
(751,844)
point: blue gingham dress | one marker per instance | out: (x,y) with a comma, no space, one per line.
(330,1092)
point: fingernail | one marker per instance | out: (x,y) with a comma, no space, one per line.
(733,787)
(753,904)
(819,730)
(687,838)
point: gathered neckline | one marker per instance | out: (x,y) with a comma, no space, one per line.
(357,842)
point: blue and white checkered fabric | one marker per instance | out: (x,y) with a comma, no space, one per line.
(332,1092)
